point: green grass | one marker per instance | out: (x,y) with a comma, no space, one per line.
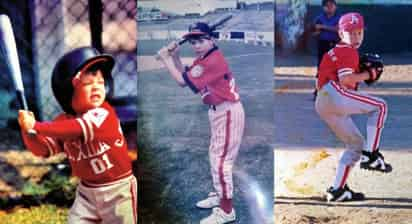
(44,214)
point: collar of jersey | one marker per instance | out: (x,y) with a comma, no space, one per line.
(214,48)
(344,45)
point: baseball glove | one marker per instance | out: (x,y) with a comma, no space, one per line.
(369,61)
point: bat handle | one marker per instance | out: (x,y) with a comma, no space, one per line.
(23,104)
(22,99)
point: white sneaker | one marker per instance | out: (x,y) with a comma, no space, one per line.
(211,201)
(218,216)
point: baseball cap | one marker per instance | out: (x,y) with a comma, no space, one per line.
(351,21)
(197,30)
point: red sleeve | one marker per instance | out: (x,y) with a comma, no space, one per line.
(41,145)
(100,123)
(61,129)
(347,62)
(206,71)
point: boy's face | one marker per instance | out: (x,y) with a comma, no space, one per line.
(329,8)
(89,91)
(202,45)
(353,38)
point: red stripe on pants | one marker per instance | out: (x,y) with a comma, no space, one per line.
(222,158)
(367,100)
(345,176)
(375,143)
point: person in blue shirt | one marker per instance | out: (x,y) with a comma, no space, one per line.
(326,29)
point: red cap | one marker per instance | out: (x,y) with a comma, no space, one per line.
(351,21)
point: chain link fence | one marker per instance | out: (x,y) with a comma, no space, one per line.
(44,31)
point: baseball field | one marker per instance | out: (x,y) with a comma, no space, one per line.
(173,136)
(307,152)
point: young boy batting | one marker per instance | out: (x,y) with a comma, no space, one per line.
(210,77)
(338,99)
(89,133)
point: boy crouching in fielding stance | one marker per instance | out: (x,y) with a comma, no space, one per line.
(338,99)
(89,133)
(210,76)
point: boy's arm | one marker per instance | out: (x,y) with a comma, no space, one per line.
(174,69)
(38,144)
(62,129)
(353,79)
(176,57)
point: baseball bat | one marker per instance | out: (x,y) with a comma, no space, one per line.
(212,27)
(9,51)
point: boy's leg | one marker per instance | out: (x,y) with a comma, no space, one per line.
(344,128)
(227,131)
(376,109)
(119,202)
(346,131)
(83,210)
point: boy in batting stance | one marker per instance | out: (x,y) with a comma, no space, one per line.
(210,76)
(338,99)
(89,133)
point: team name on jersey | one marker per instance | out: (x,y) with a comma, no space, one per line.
(76,150)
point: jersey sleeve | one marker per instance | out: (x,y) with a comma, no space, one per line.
(347,62)
(99,123)
(41,145)
(207,71)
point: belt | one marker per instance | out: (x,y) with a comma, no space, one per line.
(222,106)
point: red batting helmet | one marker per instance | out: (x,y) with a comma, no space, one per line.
(351,21)
(71,65)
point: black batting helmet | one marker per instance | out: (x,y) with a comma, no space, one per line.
(69,65)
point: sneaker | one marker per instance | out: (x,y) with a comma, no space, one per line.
(374,161)
(218,216)
(343,194)
(211,201)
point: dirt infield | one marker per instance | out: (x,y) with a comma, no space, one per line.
(306,152)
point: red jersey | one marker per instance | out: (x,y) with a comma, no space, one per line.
(93,142)
(211,77)
(339,61)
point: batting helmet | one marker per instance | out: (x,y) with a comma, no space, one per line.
(351,21)
(70,65)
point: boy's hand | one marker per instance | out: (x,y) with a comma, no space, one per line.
(173,48)
(26,120)
(163,53)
